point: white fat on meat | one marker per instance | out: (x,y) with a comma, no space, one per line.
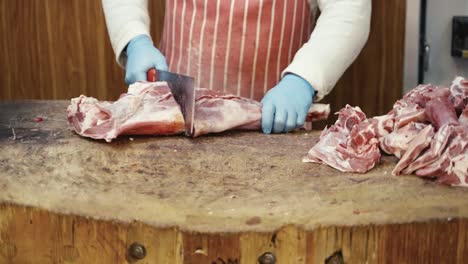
(217,113)
(334,151)
(148,108)
(383,125)
(88,114)
(318,112)
(459,168)
(464,117)
(425,103)
(427,130)
(437,168)
(415,147)
(396,142)
(459,93)
(457,171)
(450,168)
(325,152)
(350,145)
(416,94)
(407,112)
(438,144)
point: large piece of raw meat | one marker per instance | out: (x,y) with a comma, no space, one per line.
(427,130)
(147,109)
(150,109)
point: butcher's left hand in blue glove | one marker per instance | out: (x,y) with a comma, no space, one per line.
(142,55)
(285,106)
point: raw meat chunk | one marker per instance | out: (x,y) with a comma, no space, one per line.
(424,93)
(427,130)
(383,125)
(440,111)
(350,145)
(133,113)
(396,143)
(438,144)
(459,93)
(217,113)
(150,109)
(348,117)
(459,169)
(325,151)
(416,95)
(464,117)
(415,147)
(407,112)
(452,167)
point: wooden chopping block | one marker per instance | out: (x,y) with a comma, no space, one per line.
(229,198)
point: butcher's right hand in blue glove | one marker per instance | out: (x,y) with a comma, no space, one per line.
(141,57)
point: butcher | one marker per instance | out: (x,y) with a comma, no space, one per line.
(288,53)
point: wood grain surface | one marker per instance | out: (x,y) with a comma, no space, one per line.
(32,235)
(229,182)
(56,49)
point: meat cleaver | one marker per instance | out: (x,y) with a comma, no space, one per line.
(183,90)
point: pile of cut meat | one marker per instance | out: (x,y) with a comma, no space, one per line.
(427,130)
(150,109)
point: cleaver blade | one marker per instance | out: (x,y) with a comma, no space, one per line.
(183,90)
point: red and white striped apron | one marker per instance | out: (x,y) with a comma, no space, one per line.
(237,46)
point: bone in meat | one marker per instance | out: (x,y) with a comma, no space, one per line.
(452,167)
(147,109)
(396,143)
(438,144)
(425,115)
(415,147)
(350,145)
(459,93)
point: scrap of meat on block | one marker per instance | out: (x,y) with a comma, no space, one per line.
(427,130)
(350,145)
(148,108)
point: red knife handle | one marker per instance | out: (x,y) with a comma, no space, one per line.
(152,75)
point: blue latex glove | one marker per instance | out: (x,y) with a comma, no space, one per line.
(142,56)
(285,106)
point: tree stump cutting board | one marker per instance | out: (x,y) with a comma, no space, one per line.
(236,197)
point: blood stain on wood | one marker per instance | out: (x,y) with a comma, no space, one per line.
(254,221)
